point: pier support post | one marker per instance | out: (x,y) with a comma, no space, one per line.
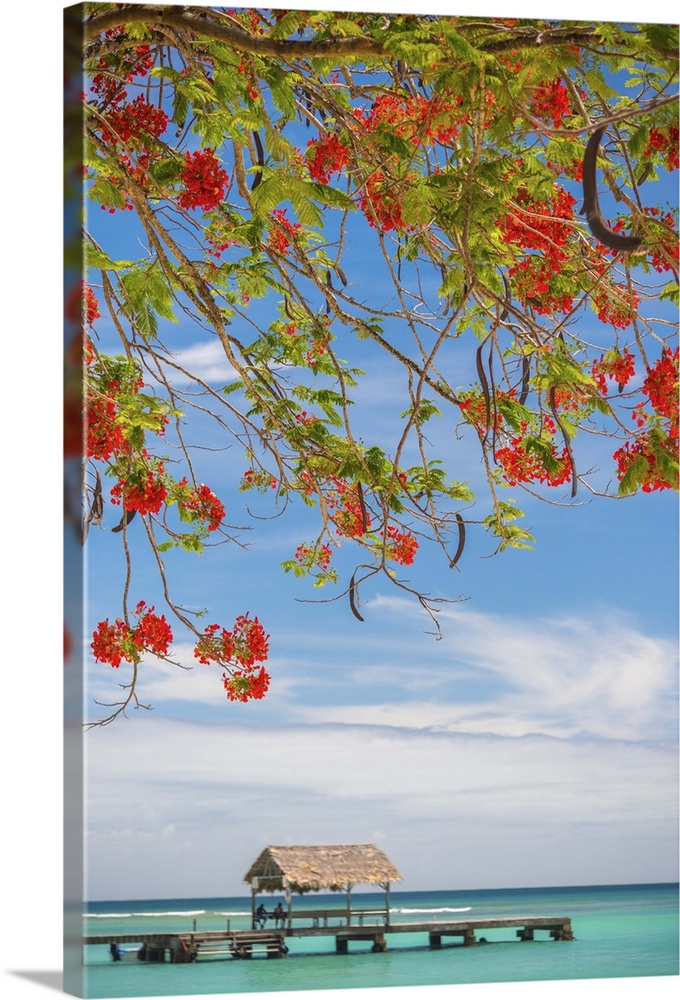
(526,934)
(341,945)
(564,933)
(469,937)
(435,940)
(379,943)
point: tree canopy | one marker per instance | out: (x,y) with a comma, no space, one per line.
(480,205)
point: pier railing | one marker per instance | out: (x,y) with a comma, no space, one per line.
(335,917)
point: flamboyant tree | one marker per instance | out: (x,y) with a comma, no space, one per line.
(254,160)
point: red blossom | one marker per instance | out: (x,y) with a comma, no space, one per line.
(645,453)
(401,546)
(616,366)
(245,645)
(551,101)
(244,687)
(415,119)
(117,642)
(616,306)
(259,480)
(103,436)
(325,156)
(310,555)
(107,642)
(523,462)
(152,632)
(90,305)
(283,232)
(131,125)
(144,492)
(661,388)
(536,283)
(204,180)
(351,517)
(204,503)
(540,225)
(381,201)
(665,141)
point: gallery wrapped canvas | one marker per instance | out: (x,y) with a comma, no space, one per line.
(371,462)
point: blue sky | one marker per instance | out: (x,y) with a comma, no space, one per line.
(545,716)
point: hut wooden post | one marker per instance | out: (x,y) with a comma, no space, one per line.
(289,899)
(349,903)
(387,902)
(254,886)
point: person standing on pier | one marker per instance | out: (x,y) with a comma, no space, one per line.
(279,915)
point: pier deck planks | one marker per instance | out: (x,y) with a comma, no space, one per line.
(558,927)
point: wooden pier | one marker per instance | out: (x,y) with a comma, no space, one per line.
(245,944)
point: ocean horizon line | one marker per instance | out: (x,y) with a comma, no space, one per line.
(367,891)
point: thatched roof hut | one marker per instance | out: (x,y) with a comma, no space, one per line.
(313,868)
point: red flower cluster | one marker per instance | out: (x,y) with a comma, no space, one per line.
(317,350)
(654,451)
(204,180)
(616,366)
(414,118)
(665,140)
(103,436)
(115,643)
(473,408)
(551,100)
(380,202)
(131,124)
(283,232)
(540,225)
(152,632)
(522,463)
(661,388)
(135,126)
(614,306)
(107,84)
(144,492)
(305,419)
(247,646)
(401,546)
(256,479)
(309,556)
(90,305)
(643,451)
(204,503)
(351,518)
(543,226)
(326,156)
(663,253)
(536,283)
(244,687)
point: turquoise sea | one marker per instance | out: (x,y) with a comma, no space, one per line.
(620,931)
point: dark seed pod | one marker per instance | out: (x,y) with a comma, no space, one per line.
(461,540)
(125,519)
(591,204)
(352,603)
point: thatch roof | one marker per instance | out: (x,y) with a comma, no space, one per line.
(331,866)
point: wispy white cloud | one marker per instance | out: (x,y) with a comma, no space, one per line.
(207,361)
(561,676)
(517,811)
